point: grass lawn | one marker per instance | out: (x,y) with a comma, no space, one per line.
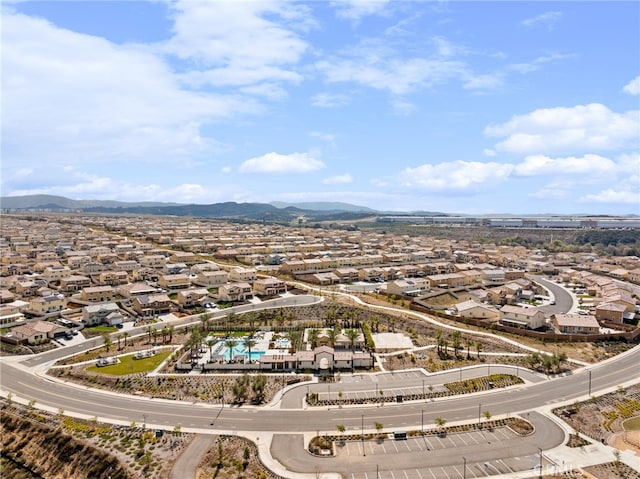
(128,365)
(632,424)
(101,329)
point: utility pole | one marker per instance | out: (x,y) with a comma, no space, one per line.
(464,468)
(364,453)
(589,382)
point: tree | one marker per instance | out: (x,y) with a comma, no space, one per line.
(249,342)
(204,319)
(479,347)
(438,338)
(211,342)
(487,415)
(440,422)
(149,331)
(119,338)
(107,342)
(379,426)
(258,385)
(312,337)
(125,335)
(352,334)
(468,343)
(170,332)
(230,344)
(332,334)
(456,342)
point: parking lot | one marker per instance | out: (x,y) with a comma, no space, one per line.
(386,457)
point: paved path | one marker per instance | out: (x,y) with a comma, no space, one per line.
(186,465)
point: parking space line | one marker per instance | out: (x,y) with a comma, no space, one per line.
(445,472)
(473,436)
(419,475)
(431,472)
(457,472)
(461,437)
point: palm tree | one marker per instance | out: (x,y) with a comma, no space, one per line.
(170,332)
(230,344)
(312,337)
(211,342)
(352,334)
(204,319)
(119,337)
(456,342)
(149,330)
(249,342)
(332,334)
(438,338)
(468,343)
(125,335)
(107,342)
(479,348)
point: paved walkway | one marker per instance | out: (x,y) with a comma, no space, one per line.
(187,464)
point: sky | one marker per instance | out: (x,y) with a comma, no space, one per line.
(448,106)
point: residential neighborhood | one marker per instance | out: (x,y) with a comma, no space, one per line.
(92,270)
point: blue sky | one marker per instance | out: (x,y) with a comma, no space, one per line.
(460,107)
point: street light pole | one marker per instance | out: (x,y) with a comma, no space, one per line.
(479,408)
(464,468)
(364,453)
(540,451)
(422,422)
(589,382)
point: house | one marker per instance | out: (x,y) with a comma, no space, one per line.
(243,274)
(37,332)
(233,292)
(192,297)
(152,305)
(323,279)
(74,282)
(575,324)
(408,287)
(98,294)
(269,287)
(52,303)
(612,312)
(447,280)
(106,313)
(174,281)
(212,279)
(519,317)
(132,290)
(473,309)
(112,278)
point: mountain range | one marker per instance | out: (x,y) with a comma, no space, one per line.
(273,212)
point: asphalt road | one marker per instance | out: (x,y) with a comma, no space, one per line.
(564,301)
(70,397)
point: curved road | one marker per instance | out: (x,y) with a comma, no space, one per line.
(18,378)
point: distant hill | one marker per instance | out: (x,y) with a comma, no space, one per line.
(329,206)
(52,202)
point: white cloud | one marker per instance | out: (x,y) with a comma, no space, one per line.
(281,164)
(544,165)
(238,43)
(456,175)
(329,100)
(328,137)
(547,19)
(226,169)
(339,179)
(70,97)
(614,196)
(633,87)
(396,75)
(582,128)
(356,9)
